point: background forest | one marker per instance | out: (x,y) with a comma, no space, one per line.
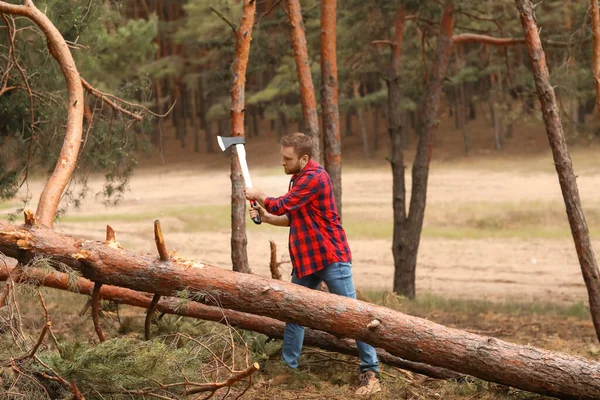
(479,242)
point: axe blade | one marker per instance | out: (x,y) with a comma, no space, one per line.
(225,142)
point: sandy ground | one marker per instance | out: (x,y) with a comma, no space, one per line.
(517,269)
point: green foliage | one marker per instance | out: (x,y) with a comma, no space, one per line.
(110,53)
(121,363)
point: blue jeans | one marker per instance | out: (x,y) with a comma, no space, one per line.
(338,278)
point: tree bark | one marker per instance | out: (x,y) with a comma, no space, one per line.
(243,36)
(411,338)
(596,51)
(65,165)
(405,258)
(170,305)
(329,99)
(307,89)
(396,148)
(562,160)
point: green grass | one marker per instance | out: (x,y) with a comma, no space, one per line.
(428,303)
(528,220)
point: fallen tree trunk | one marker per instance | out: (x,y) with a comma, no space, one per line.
(415,339)
(170,305)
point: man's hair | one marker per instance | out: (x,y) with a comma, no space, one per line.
(301,143)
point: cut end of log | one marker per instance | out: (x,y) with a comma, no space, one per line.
(256,366)
(373,324)
(29,218)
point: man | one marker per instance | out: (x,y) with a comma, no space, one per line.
(318,247)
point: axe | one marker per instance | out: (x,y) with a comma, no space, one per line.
(238,141)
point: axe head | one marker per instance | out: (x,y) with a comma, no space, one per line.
(225,142)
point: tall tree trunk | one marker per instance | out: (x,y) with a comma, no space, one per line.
(375,112)
(460,100)
(462,117)
(329,99)
(596,51)
(307,89)
(282,124)
(361,121)
(396,148)
(205,123)
(243,36)
(496,111)
(405,258)
(415,339)
(67,160)
(254,116)
(562,160)
(194,115)
(348,124)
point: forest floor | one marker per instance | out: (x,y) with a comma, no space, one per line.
(496,255)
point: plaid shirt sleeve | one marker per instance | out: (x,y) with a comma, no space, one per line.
(305,189)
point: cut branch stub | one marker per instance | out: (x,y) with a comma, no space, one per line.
(29,218)
(110,234)
(160,242)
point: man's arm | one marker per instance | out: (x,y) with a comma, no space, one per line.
(305,188)
(277,220)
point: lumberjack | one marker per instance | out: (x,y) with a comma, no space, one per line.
(318,247)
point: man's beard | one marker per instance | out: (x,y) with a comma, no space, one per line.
(293,170)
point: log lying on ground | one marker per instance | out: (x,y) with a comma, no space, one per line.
(267,326)
(415,339)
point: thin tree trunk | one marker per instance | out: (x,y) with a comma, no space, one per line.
(239,241)
(596,51)
(348,118)
(460,101)
(254,116)
(205,123)
(329,99)
(282,124)
(415,339)
(194,116)
(495,113)
(67,160)
(405,262)
(361,121)
(562,160)
(397,150)
(375,112)
(462,118)
(307,89)
(170,305)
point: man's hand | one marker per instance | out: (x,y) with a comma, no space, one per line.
(254,211)
(254,194)
(281,220)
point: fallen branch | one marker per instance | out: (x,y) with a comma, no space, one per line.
(235,377)
(267,326)
(416,339)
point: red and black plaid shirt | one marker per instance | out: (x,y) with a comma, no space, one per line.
(317,238)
